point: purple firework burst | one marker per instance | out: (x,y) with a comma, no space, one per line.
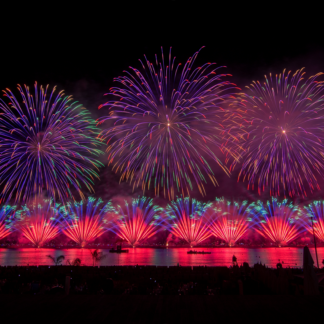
(47,142)
(280,130)
(166,123)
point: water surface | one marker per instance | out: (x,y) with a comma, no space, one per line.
(292,257)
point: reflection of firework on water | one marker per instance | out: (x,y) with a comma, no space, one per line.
(165,121)
(187,220)
(47,142)
(230,220)
(281,124)
(136,222)
(84,222)
(279,222)
(315,210)
(6,220)
(38,221)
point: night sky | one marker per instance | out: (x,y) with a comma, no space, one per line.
(82,57)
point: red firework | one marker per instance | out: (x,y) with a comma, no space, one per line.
(187,220)
(318,229)
(84,222)
(314,220)
(38,223)
(83,231)
(193,231)
(229,230)
(279,230)
(6,220)
(4,231)
(135,229)
(231,221)
(278,221)
(39,231)
(138,223)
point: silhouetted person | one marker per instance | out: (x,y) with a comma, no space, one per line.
(234,260)
(310,278)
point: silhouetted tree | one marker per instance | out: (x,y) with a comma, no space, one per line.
(57,261)
(76,262)
(97,256)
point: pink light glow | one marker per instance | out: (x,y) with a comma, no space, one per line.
(83,231)
(279,230)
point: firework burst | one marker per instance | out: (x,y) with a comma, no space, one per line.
(47,142)
(165,122)
(6,220)
(230,220)
(137,222)
(38,221)
(315,219)
(187,220)
(278,221)
(84,222)
(280,124)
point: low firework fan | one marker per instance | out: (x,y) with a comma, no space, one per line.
(166,123)
(38,221)
(84,222)
(278,129)
(278,221)
(6,220)
(314,220)
(136,221)
(187,220)
(47,143)
(230,220)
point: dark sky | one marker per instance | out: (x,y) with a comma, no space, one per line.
(81,52)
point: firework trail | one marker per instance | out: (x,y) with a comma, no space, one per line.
(137,222)
(84,222)
(164,123)
(47,142)
(38,221)
(6,220)
(280,124)
(187,220)
(230,220)
(278,221)
(315,213)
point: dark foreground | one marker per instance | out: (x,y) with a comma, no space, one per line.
(150,294)
(154,281)
(161,309)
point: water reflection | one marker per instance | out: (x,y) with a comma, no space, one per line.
(292,257)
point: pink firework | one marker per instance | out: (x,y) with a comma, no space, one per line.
(38,223)
(6,220)
(278,221)
(314,222)
(84,222)
(231,220)
(137,222)
(187,220)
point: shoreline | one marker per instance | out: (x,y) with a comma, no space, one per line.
(106,247)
